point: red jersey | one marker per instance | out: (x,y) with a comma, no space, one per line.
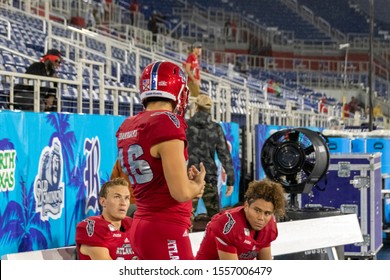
(135,137)
(195,68)
(96,231)
(230,232)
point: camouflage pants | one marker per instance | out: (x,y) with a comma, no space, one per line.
(211,200)
(194,89)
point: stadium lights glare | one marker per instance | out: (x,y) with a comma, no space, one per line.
(343,46)
(83,31)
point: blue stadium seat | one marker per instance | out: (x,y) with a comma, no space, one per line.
(8,58)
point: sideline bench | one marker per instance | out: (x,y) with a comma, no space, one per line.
(294,237)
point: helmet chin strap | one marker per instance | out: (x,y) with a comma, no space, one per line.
(181,108)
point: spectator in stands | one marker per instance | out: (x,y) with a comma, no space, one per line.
(108,9)
(377,111)
(246,232)
(153,26)
(90,20)
(192,68)
(106,237)
(118,172)
(322,106)
(274,88)
(47,66)
(228,31)
(354,105)
(134,9)
(241,66)
(152,149)
(205,138)
(346,110)
(99,11)
(233,27)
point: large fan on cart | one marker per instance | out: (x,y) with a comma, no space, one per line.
(297,158)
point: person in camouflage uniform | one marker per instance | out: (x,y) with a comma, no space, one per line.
(205,137)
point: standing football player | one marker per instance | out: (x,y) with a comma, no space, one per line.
(152,150)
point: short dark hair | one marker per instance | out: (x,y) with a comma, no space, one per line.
(155,99)
(269,191)
(114,182)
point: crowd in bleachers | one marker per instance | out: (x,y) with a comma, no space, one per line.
(120,70)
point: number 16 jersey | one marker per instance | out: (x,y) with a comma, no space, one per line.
(135,137)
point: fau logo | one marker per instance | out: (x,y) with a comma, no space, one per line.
(229,225)
(48,186)
(91,173)
(173,118)
(90,227)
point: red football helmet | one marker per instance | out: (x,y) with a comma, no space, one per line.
(166,80)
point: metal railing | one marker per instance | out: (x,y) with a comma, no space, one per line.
(71,95)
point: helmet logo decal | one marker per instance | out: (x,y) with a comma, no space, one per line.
(166,80)
(154,76)
(145,85)
(182,76)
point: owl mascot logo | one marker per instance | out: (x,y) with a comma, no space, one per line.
(48,186)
